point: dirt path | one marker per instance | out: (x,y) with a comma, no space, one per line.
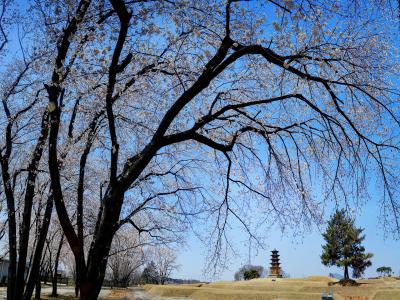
(140,294)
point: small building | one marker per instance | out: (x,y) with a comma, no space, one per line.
(275,268)
(4,264)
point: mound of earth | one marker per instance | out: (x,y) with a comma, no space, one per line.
(345,282)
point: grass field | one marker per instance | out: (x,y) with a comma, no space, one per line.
(309,288)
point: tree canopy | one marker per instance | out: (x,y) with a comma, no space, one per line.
(180,116)
(343,246)
(387,271)
(247,272)
(251,274)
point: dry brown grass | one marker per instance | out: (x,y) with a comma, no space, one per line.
(171,290)
(387,295)
(119,294)
(309,288)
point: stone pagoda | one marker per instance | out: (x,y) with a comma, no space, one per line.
(275,269)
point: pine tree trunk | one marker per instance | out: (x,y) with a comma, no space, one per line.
(346,272)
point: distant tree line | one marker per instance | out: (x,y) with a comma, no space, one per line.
(158,263)
(157,274)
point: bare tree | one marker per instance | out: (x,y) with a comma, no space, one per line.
(126,258)
(166,114)
(17,132)
(164,259)
(225,89)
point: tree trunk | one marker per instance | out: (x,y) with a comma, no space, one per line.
(346,272)
(76,289)
(100,248)
(12,240)
(38,288)
(34,272)
(27,212)
(12,227)
(55,274)
(105,230)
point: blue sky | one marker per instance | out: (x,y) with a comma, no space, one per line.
(299,256)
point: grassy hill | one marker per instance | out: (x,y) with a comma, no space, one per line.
(309,288)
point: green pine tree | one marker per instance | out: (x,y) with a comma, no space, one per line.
(343,246)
